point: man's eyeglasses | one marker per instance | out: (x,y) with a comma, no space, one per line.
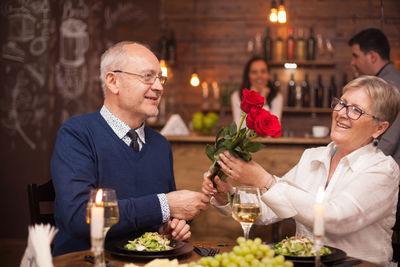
(148,78)
(352,112)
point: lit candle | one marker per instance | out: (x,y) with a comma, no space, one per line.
(215,90)
(319,214)
(97,216)
(204,86)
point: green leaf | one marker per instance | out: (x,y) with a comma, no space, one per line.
(220,144)
(228,144)
(238,149)
(234,153)
(246,157)
(228,137)
(232,129)
(210,150)
(219,133)
(253,146)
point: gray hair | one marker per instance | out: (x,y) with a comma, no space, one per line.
(385,97)
(114,58)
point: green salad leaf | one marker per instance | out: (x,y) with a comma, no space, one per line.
(298,246)
(149,241)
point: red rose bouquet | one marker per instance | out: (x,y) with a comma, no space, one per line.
(237,141)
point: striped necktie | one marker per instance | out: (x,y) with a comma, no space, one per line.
(134,136)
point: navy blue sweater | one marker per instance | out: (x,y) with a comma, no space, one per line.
(87,155)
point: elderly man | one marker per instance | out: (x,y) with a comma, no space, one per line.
(112,148)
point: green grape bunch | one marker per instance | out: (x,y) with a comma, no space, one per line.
(248,253)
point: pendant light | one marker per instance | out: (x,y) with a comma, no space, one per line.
(273,15)
(277,15)
(194,79)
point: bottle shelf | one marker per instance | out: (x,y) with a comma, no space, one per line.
(305,110)
(302,64)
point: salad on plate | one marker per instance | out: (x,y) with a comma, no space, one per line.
(149,241)
(298,246)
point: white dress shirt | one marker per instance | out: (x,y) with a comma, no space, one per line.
(360,200)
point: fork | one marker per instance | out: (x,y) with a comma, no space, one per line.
(212,252)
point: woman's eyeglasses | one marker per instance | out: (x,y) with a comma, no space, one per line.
(352,112)
(147,78)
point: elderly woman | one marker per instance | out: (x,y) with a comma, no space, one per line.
(361,183)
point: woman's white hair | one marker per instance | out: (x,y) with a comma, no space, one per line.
(385,97)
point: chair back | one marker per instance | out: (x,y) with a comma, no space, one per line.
(41,203)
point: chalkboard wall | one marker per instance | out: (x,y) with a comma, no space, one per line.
(49,71)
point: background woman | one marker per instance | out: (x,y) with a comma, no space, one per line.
(256,77)
(361,183)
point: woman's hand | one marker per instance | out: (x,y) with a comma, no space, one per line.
(249,173)
(175,229)
(219,193)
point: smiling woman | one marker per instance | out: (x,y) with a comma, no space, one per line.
(361,183)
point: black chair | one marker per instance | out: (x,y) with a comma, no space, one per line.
(41,203)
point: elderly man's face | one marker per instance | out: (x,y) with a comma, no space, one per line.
(360,61)
(137,97)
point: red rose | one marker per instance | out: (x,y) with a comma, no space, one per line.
(266,124)
(251,117)
(251,99)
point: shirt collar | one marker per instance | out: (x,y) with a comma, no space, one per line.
(119,127)
(355,159)
(380,71)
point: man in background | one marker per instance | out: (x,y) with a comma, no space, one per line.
(371,56)
(112,148)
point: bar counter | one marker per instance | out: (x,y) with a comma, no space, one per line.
(277,156)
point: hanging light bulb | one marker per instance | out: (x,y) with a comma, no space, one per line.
(194,80)
(164,69)
(282,13)
(273,15)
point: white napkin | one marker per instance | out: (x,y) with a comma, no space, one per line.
(175,126)
(37,253)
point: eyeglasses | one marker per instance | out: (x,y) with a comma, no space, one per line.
(148,78)
(352,112)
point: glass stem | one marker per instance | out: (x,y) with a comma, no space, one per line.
(99,259)
(246,229)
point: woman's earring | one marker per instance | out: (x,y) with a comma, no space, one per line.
(375,142)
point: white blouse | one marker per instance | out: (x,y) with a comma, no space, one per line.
(360,200)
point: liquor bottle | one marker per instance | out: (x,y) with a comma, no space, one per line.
(311,45)
(344,83)
(258,45)
(319,93)
(163,46)
(332,90)
(267,46)
(290,45)
(171,56)
(305,92)
(276,83)
(300,46)
(291,100)
(278,49)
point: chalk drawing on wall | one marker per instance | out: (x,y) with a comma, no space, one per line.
(74,42)
(26,98)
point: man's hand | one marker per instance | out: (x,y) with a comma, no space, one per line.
(185,204)
(175,229)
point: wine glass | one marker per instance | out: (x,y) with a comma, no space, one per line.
(110,204)
(246,207)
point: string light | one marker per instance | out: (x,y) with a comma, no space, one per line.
(273,15)
(164,69)
(282,13)
(194,79)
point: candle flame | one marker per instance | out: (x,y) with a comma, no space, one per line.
(99,197)
(320,194)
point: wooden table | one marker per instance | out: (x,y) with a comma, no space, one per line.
(77,258)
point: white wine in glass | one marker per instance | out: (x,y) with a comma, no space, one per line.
(110,204)
(246,207)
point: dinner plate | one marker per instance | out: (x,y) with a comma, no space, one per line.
(120,245)
(336,255)
(183,249)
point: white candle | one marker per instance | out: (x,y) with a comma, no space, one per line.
(204,86)
(97,217)
(319,214)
